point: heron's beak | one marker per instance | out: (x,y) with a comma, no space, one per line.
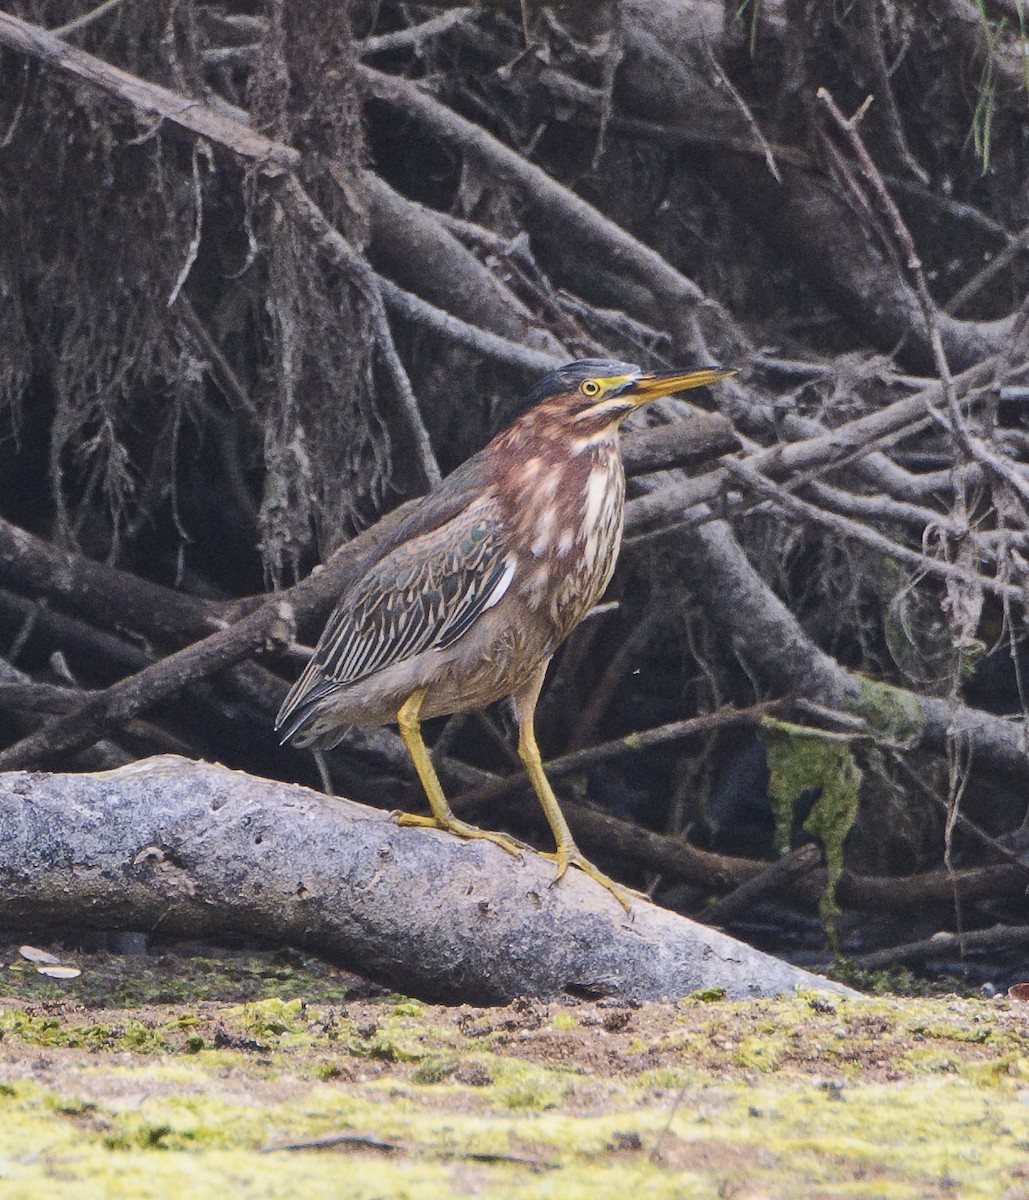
(664,383)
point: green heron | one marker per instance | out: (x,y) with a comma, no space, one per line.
(467,599)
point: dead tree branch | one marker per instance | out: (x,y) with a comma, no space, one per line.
(195,849)
(107,710)
(565,213)
(770,639)
(262,153)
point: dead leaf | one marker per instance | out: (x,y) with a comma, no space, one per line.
(37,956)
(59,972)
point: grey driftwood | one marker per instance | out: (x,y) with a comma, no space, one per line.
(199,850)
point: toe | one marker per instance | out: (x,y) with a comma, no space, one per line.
(581,862)
(415,820)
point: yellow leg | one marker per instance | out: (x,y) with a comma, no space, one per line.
(443,816)
(568,853)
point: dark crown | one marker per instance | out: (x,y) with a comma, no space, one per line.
(568,377)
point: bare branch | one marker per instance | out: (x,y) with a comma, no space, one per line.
(414,35)
(200,849)
(262,153)
(858,531)
(567,212)
(329,239)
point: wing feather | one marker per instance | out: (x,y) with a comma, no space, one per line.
(425,593)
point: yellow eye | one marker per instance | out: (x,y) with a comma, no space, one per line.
(589,387)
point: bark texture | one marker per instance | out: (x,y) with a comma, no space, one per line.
(199,850)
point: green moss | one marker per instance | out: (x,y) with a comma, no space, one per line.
(706,995)
(523,1086)
(932,1060)
(42,1030)
(434,1069)
(762,1051)
(889,981)
(803,760)
(666,1078)
(405,1007)
(893,714)
(390,1044)
(1007,1069)
(714,1114)
(965,1144)
(271,1018)
(118,981)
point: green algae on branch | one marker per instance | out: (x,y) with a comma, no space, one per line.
(893,715)
(801,761)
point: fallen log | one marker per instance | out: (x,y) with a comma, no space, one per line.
(198,850)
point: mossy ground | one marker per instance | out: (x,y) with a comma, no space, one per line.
(173,1075)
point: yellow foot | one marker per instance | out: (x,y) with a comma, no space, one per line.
(463,830)
(566,858)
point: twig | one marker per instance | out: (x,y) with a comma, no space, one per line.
(769,639)
(674,857)
(220,369)
(849,128)
(884,508)
(860,532)
(86,19)
(825,451)
(198,223)
(1000,937)
(329,1141)
(30,564)
(884,471)
(369,1141)
(954,208)
(981,278)
(619,664)
(974,447)
(412,244)
(405,39)
(72,634)
(631,743)
(881,73)
(647,337)
(272,622)
(748,117)
(107,710)
(961,821)
(771,882)
(324,234)
(100,757)
(489,345)
(536,187)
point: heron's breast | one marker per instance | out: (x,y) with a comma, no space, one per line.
(570,529)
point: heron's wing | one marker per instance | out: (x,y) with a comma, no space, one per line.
(425,593)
